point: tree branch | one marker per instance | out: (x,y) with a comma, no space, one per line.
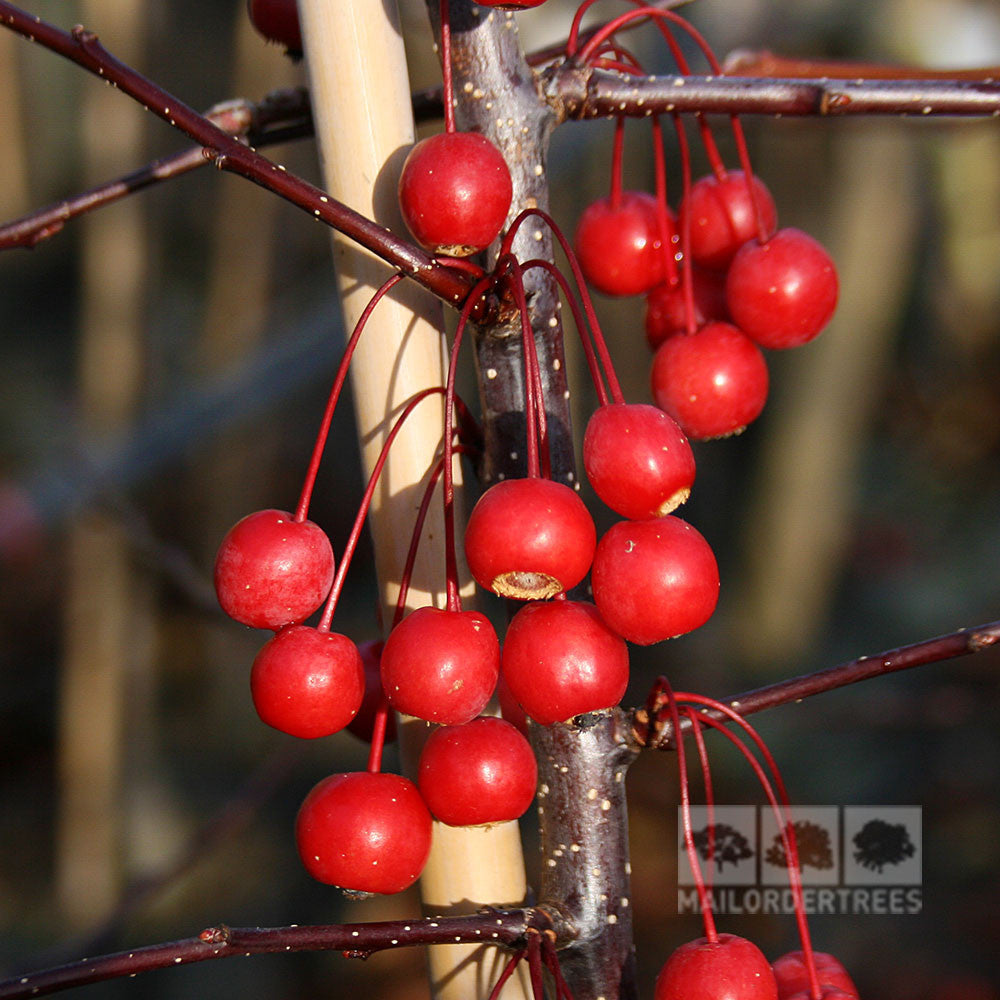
(579,92)
(83,48)
(657,734)
(506,927)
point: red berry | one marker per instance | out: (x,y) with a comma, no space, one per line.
(620,247)
(510,708)
(455,192)
(723,217)
(277,21)
(529,539)
(713,382)
(364,722)
(272,571)
(666,309)
(479,773)
(307,683)
(638,460)
(364,832)
(560,660)
(731,968)
(654,580)
(783,292)
(792,976)
(441,665)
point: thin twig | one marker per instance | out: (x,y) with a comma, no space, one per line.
(657,734)
(506,927)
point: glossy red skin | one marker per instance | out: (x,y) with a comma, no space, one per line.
(637,459)
(364,722)
(532,527)
(364,832)
(782,293)
(482,772)
(713,382)
(619,249)
(560,659)
(271,571)
(666,310)
(731,969)
(441,666)
(723,217)
(654,580)
(792,977)
(510,708)
(307,683)
(455,192)
(277,21)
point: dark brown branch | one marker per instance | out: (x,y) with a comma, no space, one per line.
(280,117)
(658,735)
(506,927)
(583,93)
(83,48)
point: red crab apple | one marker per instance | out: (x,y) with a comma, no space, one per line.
(480,773)
(723,216)
(783,292)
(272,571)
(307,683)
(713,382)
(455,192)
(666,307)
(363,723)
(560,660)
(637,459)
(529,539)
(792,976)
(730,968)
(441,665)
(364,832)
(277,21)
(619,245)
(654,580)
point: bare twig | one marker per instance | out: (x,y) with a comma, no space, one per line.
(228,153)
(579,92)
(493,926)
(743,62)
(657,734)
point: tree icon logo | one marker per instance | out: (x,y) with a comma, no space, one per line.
(726,845)
(878,844)
(812,842)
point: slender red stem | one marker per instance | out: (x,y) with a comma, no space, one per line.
(305,497)
(535,967)
(446,74)
(708,918)
(616,164)
(378,735)
(448,493)
(685,221)
(508,971)
(581,285)
(662,211)
(359,521)
(706,777)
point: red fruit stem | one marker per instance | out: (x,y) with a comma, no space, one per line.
(782,817)
(706,777)
(454,600)
(688,275)
(508,971)
(359,520)
(378,735)
(305,497)
(534,393)
(551,958)
(585,299)
(449,93)
(707,916)
(616,164)
(535,967)
(580,323)
(662,219)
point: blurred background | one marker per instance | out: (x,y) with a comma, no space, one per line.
(163,366)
